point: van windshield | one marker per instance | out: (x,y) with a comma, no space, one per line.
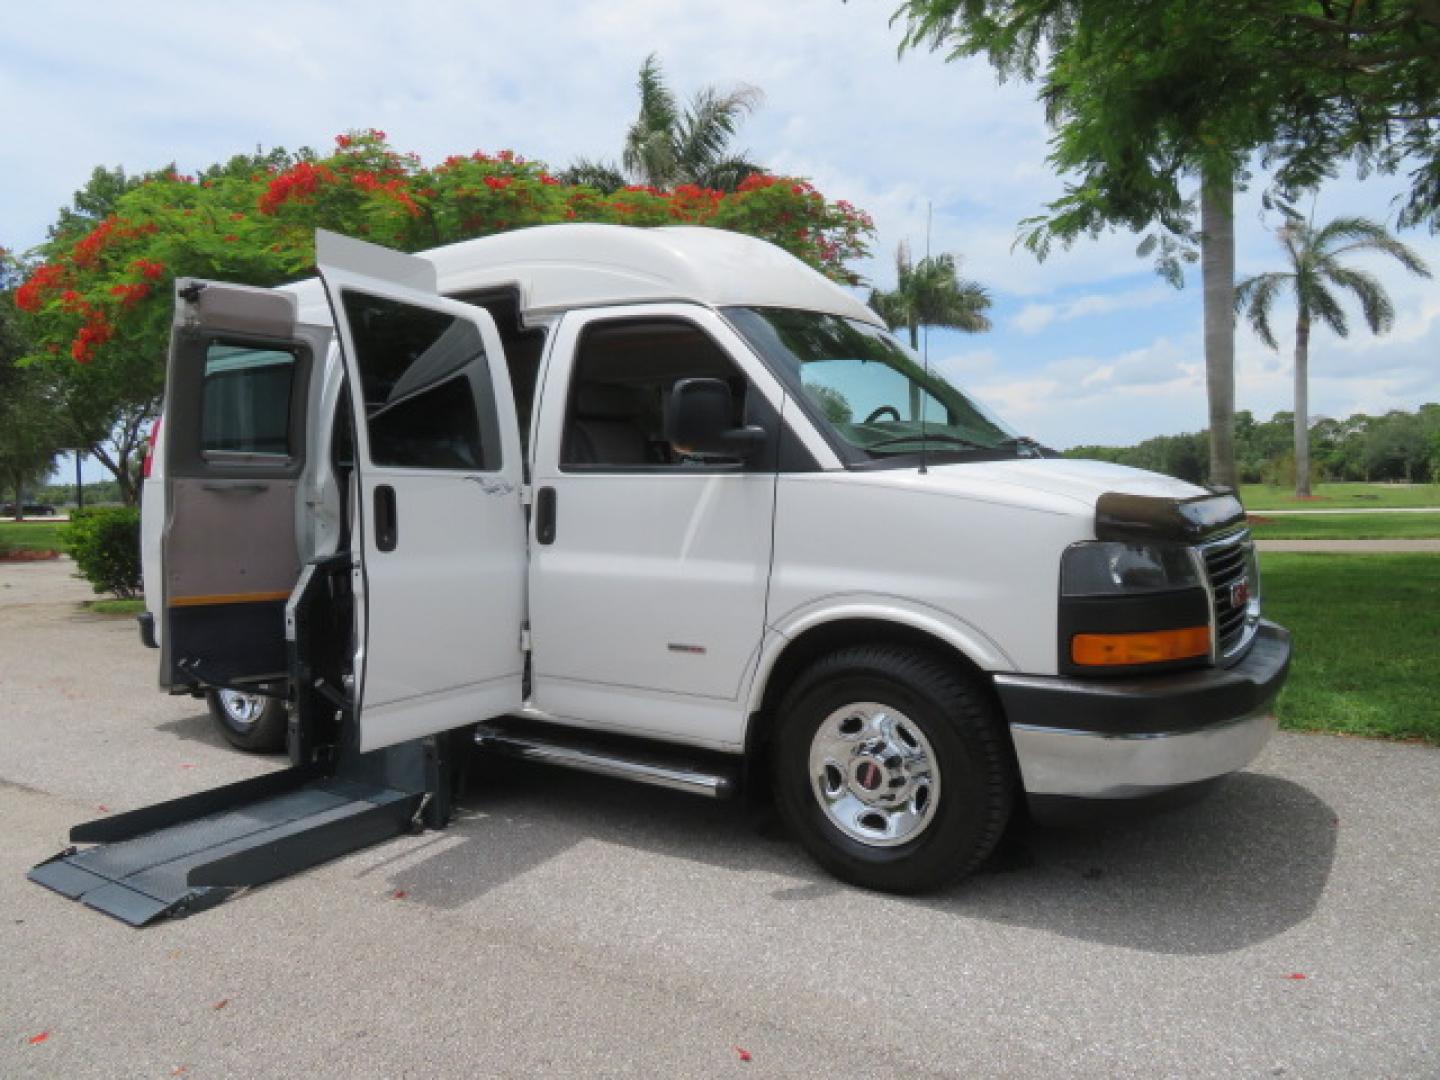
(870,391)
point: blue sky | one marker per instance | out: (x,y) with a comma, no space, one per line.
(1089,346)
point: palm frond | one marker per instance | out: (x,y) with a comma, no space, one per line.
(604,176)
(1375,303)
(648,155)
(727,174)
(1325,307)
(1255,296)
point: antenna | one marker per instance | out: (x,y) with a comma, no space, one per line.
(925,353)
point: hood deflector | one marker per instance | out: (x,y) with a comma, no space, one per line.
(1138,518)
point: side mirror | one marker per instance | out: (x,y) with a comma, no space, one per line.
(698,419)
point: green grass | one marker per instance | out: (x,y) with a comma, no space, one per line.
(1265,497)
(1367,636)
(1347,527)
(115,607)
(31,536)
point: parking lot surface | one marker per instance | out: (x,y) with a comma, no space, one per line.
(568,925)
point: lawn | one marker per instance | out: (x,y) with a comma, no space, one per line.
(1334,496)
(31,535)
(1346,526)
(1367,642)
(115,607)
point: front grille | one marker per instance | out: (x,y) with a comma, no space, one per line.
(1228,561)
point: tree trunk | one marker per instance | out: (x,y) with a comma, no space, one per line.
(1217,268)
(1302,404)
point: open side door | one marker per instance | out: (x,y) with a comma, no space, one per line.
(439,527)
(236,396)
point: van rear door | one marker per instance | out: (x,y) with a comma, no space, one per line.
(237,387)
(439,526)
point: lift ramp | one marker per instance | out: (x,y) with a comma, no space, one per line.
(188,854)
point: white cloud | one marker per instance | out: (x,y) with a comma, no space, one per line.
(1036,317)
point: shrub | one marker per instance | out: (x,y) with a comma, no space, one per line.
(104,541)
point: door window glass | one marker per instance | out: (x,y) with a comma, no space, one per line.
(624,371)
(245,402)
(426,385)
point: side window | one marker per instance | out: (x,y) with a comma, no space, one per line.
(429,403)
(245,400)
(624,371)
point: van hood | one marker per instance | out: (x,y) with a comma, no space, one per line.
(1117,502)
(1073,478)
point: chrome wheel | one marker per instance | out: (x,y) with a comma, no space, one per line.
(874,774)
(242,710)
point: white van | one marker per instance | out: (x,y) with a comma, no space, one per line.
(670,505)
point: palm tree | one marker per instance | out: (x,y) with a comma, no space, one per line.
(1314,259)
(931,293)
(666,145)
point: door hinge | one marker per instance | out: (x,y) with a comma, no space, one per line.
(525,639)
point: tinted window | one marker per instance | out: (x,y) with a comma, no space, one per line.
(428,399)
(245,403)
(624,372)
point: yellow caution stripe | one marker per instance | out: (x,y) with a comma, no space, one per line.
(229,598)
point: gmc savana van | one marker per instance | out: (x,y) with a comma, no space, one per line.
(669,505)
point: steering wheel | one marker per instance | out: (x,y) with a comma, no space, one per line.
(894,414)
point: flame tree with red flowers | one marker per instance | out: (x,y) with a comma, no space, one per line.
(99,297)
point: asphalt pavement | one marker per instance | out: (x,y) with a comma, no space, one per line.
(569,925)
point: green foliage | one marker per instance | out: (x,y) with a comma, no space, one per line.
(97,310)
(105,544)
(931,293)
(667,145)
(1396,446)
(1143,94)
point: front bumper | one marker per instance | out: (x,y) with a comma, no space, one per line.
(1127,738)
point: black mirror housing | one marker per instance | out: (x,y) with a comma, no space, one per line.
(699,419)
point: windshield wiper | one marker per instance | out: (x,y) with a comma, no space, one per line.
(926,436)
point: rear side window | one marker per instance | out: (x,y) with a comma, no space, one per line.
(426,385)
(245,401)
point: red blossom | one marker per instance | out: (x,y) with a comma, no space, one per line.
(237,217)
(130,295)
(498,183)
(29,296)
(296,183)
(230,238)
(151,269)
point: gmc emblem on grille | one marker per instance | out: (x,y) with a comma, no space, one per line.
(1240,593)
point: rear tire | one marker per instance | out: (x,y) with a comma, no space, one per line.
(891,768)
(249,722)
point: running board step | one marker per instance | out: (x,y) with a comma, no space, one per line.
(627,759)
(189,854)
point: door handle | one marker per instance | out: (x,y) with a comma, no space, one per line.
(545,515)
(387,527)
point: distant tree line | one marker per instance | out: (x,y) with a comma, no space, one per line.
(1396,446)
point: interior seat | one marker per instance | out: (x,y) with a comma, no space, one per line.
(603,428)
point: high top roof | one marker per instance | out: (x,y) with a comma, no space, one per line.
(582,265)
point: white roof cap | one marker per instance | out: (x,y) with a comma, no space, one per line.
(583,265)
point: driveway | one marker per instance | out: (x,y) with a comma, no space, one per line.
(567,925)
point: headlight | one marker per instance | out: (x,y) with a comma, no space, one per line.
(1116,569)
(1126,607)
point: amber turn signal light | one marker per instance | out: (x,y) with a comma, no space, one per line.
(1153,647)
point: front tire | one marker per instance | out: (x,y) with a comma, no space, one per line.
(891,768)
(250,722)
